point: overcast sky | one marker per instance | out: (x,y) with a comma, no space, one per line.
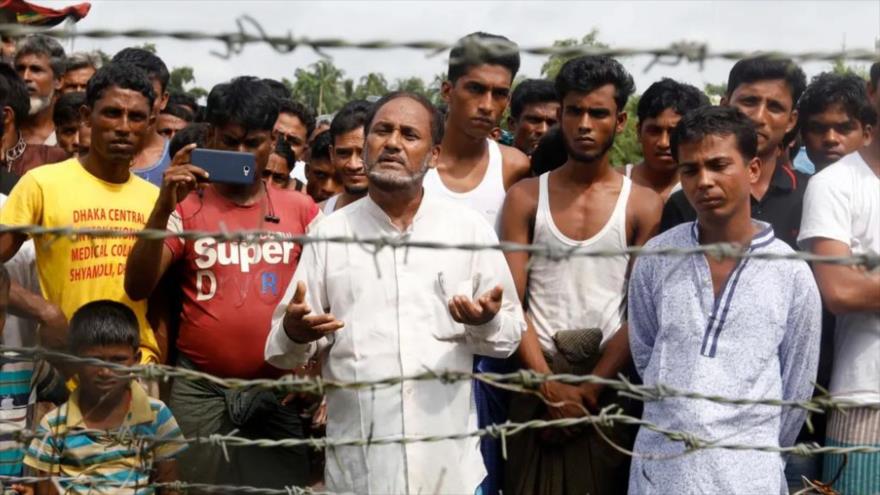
(747,25)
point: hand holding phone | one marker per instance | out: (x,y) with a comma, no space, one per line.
(226,167)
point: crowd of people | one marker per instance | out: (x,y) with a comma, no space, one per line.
(107,147)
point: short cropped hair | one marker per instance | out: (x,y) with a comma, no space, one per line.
(13,94)
(246,101)
(482,49)
(351,116)
(67,108)
(302,112)
(828,89)
(766,68)
(40,44)
(668,93)
(875,75)
(550,153)
(436,122)
(320,148)
(281,91)
(192,133)
(716,121)
(148,62)
(179,111)
(121,75)
(530,92)
(82,60)
(103,323)
(590,72)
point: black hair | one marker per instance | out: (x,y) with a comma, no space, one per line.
(351,116)
(103,323)
(245,101)
(13,94)
(302,112)
(766,68)
(436,122)
(530,92)
(5,281)
(320,148)
(183,100)
(550,153)
(179,111)
(40,44)
(278,88)
(148,62)
(192,133)
(67,108)
(482,49)
(120,75)
(716,121)
(284,150)
(668,93)
(591,72)
(829,88)
(875,75)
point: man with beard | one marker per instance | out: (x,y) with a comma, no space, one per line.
(402,314)
(40,62)
(766,89)
(585,203)
(347,153)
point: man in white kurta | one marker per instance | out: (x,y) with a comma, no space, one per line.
(394,307)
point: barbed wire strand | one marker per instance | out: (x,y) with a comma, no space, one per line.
(870,261)
(249,31)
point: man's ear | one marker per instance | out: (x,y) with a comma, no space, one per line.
(621,122)
(511,123)
(792,121)
(754,167)
(435,156)
(446,90)
(85,113)
(137,356)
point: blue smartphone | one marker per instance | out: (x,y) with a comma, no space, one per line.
(226,167)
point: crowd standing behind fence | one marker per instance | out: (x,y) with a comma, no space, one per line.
(407,336)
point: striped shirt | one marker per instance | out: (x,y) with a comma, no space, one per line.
(118,461)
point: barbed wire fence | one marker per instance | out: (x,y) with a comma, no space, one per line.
(248,31)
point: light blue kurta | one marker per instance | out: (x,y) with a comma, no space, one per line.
(759,339)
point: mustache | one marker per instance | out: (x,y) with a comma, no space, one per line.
(388,157)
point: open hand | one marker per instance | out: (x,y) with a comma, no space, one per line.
(303,327)
(479,312)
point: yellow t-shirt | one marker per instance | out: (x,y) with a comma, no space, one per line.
(76,271)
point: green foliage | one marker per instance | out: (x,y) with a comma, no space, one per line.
(554,64)
(373,84)
(626,147)
(840,67)
(180,77)
(322,87)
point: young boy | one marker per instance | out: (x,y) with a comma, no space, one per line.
(103,414)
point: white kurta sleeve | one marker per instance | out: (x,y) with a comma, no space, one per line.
(799,352)
(642,314)
(501,336)
(281,351)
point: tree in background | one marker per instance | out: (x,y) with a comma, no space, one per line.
(553,64)
(180,77)
(322,87)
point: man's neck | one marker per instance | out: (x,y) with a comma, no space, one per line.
(459,148)
(871,153)
(244,196)
(400,205)
(738,229)
(151,152)
(346,198)
(768,168)
(101,408)
(107,172)
(10,139)
(38,127)
(657,180)
(586,173)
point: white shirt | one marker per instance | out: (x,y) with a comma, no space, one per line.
(394,307)
(842,202)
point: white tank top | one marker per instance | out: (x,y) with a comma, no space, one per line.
(330,205)
(580,292)
(487,198)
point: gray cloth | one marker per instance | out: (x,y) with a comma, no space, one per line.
(202,409)
(539,464)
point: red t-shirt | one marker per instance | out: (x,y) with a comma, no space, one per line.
(231,289)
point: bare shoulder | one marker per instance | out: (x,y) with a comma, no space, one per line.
(524,192)
(516,165)
(644,201)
